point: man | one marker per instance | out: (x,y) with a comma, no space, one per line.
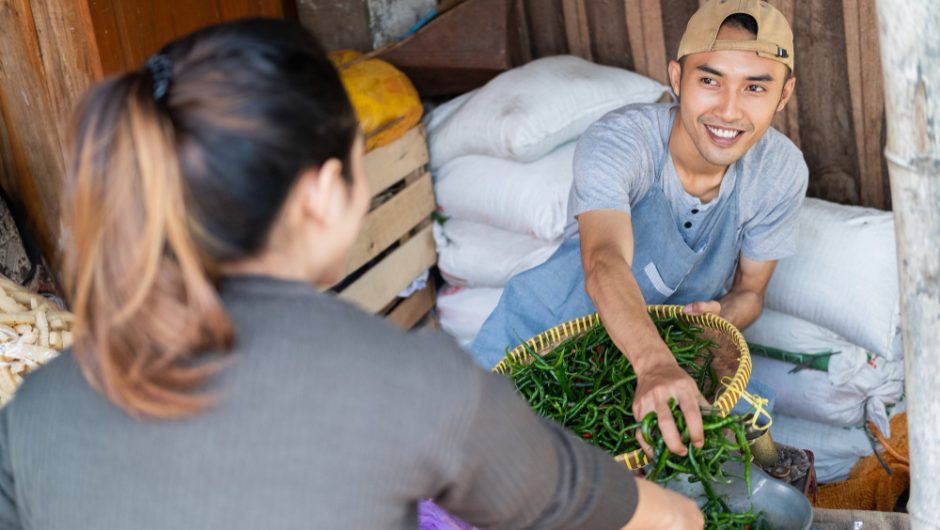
(690,204)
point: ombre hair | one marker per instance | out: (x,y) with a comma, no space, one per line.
(163,187)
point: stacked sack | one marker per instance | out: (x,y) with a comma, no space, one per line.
(501,158)
(834,309)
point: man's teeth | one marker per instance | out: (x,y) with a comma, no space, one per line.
(724,133)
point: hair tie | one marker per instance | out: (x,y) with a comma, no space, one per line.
(161,69)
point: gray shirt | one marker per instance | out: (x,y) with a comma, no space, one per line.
(327,418)
(616,160)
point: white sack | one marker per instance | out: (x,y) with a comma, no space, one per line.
(524,113)
(836,449)
(462,310)
(851,366)
(844,275)
(528,198)
(809,394)
(477,255)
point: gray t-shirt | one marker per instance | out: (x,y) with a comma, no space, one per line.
(326,418)
(616,160)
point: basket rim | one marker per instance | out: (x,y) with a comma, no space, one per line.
(726,398)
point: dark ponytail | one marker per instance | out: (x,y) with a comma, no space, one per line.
(174,169)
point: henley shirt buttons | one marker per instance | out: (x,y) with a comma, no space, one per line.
(688,224)
(694,210)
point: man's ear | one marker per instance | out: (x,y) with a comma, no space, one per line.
(323,191)
(675,76)
(788,88)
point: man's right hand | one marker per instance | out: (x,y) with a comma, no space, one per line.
(658,507)
(658,383)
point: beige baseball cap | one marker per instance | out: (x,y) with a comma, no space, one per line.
(774,36)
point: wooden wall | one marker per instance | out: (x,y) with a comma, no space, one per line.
(51,51)
(837,116)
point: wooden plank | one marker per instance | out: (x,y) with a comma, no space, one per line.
(876,189)
(676,15)
(33,136)
(392,220)
(863,60)
(825,106)
(70,65)
(546,24)
(577,31)
(382,283)
(411,310)
(787,121)
(610,43)
(520,24)
(645,28)
(129,31)
(233,9)
(388,164)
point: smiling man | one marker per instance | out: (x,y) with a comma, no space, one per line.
(687,204)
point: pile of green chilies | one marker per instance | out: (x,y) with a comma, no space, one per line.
(586,384)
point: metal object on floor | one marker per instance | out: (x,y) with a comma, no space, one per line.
(783,506)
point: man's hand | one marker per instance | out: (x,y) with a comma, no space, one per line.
(607,251)
(657,385)
(700,308)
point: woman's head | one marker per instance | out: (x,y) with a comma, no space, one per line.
(233,143)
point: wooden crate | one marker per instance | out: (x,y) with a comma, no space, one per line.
(396,244)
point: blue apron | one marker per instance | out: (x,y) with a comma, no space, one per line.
(667,270)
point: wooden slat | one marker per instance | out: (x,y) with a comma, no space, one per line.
(828,139)
(576,28)
(392,220)
(610,43)
(546,27)
(787,121)
(520,22)
(865,84)
(388,164)
(376,288)
(233,9)
(645,27)
(415,307)
(676,15)
(33,139)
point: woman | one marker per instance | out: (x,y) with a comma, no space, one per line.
(211,385)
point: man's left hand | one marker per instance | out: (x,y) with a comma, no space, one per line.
(700,308)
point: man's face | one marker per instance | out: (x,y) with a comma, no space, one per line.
(728,99)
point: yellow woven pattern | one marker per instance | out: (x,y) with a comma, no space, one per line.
(545,341)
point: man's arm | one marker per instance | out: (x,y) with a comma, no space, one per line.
(745,300)
(607,254)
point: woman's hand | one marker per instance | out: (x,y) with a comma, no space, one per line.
(663,509)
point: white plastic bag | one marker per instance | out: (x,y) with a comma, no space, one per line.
(844,276)
(462,310)
(477,255)
(836,449)
(528,111)
(528,198)
(850,365)
(809,394)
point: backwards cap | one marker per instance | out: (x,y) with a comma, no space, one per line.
(774,37)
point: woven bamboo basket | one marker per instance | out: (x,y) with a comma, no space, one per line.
(732,361)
